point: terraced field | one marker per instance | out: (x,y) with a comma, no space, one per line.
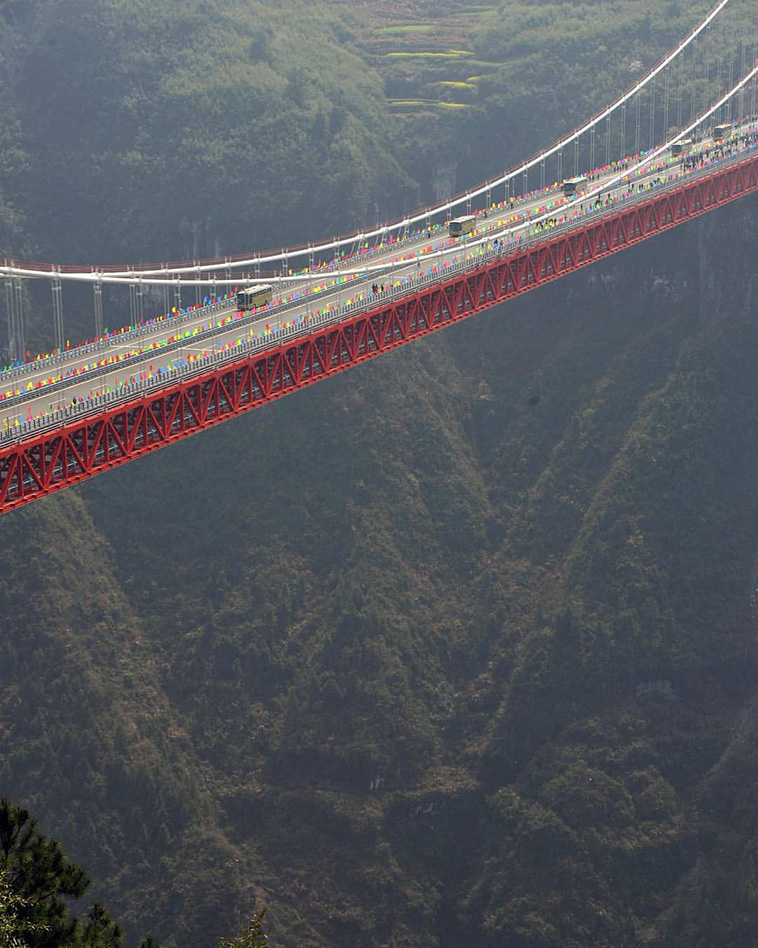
(425,52)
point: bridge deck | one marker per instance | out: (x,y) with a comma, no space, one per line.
(54,459)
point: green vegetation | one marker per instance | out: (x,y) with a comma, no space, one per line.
(406,28)
(35,878)
(426,54)
(553,61)
(15,931)
(216,86)
(459,647)
(252,937)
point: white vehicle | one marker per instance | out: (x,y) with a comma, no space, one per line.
(252,297)
(462,225)
(573,185)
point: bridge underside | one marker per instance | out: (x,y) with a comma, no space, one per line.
(50,461)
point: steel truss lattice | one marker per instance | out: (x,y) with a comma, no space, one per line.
(49,462)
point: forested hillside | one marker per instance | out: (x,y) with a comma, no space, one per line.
(460,646)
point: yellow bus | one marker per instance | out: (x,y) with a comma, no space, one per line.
(252,297)
(573,185)
(684,147)
(462,225)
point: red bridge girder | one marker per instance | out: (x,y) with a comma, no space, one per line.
(50,461)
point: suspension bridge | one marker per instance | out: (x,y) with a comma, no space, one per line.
(77,411)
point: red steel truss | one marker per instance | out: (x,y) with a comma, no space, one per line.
(56,459)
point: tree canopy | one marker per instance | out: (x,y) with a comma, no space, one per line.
(37,880)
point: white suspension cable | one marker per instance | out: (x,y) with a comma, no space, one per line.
(508,176)
(604,186)
(159,275)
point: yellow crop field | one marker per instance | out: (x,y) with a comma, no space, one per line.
(404,28)
(449,54)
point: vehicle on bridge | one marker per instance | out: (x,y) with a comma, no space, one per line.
(720,132)
(462,225)
(684,147)
(253,296)
(573,185)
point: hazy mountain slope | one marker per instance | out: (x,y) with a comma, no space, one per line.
(364,588)
(87,734)
(610,720)
(201,121)
(306,638)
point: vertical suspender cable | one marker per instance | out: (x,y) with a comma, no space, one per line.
(608,140)
(12,322)
(98,291)
(9,307)
(707,70)
(58,312)
(20,328)
(666,93)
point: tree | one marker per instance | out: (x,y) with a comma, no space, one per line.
(12,927)
(100,931)
(252,937)
(36,874)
